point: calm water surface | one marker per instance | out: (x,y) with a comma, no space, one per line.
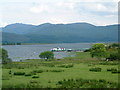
(21,52)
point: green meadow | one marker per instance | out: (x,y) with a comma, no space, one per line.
(39,73)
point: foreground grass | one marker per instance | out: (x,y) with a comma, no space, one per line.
(57,70)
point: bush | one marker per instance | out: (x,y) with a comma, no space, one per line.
(56,70)
(35,76)
(33,73)
(20,67)
(87,50)
(10,72)
(66,65)
(19,73)
(49,64)
(37,71)
(102,80)
(28,74)
(114,56)
(108,63)
(84,83)
(112,69)
(49,81)
(34,85)
(97,69)
(116,71)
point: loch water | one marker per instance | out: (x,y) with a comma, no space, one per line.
(21,52)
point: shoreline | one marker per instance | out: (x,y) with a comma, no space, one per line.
(59,43)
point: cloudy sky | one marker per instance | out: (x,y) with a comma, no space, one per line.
(97,12)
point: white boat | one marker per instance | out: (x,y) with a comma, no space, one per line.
(58,49)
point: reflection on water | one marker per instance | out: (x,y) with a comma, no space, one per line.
(20,52)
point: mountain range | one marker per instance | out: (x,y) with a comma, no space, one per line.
(59,33)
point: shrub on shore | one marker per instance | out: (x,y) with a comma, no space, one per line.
(19,73)
(96,69)
(35,76)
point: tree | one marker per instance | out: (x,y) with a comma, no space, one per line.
(114,51)
(113,46)
(47,55)
(4,56)
(114,56)
(99,50)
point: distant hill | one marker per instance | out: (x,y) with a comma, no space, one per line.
(13,38)
(60,33)
(17,28)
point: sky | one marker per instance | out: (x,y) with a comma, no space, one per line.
(97,12)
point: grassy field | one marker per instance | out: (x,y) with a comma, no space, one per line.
(46,74)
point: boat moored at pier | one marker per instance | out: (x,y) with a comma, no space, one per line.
(58,49)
